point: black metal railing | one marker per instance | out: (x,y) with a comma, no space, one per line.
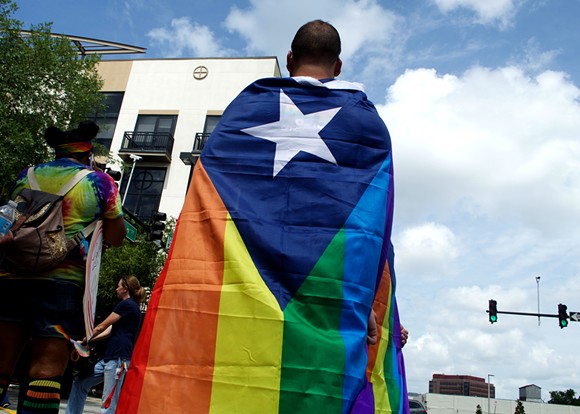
(151,142)
(200,140)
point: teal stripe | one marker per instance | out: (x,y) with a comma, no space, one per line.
(365,239)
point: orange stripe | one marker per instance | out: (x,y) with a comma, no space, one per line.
(43,395)
(179,339)
(380,306)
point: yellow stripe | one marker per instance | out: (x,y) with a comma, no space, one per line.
(249,337)
(382,403)
(45,383)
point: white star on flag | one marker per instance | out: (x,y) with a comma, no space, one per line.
(295,132)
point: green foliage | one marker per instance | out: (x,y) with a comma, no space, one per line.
(141,259)
(564,397)
(43,82)
(478,409)
(520,408)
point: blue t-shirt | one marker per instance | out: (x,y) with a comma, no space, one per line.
(124,332)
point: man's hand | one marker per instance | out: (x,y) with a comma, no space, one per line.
(404,336)
(372,331)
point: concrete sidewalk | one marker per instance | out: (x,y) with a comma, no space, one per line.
(92,406)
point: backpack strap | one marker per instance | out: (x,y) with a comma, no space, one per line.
(81,235)
(65,188)
(88,230)
(32,179)
(74,181)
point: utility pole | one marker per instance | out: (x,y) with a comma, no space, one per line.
(135,158)
(488,393)
(538,284)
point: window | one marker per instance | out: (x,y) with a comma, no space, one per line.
(211,122)
(158,124)
(106,119)
(145,190)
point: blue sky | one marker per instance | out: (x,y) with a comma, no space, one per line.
(482,102)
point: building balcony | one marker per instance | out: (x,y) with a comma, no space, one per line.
(151,146)
(190,158)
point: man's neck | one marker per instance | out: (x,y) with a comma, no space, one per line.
(313,71)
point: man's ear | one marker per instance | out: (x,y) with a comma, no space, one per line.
(337,67)
(290,62)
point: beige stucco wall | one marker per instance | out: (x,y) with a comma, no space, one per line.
(115,74)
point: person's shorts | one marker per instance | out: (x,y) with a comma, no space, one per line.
(44,308)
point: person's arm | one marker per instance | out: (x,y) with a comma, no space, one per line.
(103,326)
(103,335)
(114,231)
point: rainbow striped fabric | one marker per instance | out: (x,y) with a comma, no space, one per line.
(280,253)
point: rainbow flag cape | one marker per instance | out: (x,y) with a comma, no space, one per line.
(280,253)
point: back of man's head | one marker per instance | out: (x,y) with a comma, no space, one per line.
(316,42)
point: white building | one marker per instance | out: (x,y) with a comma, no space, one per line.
(159,113)
(455,404)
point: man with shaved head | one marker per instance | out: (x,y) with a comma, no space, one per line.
(278,294)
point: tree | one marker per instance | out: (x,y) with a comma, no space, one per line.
(142,259)
(43,82)
(564,397)
(478,409)
(520,408)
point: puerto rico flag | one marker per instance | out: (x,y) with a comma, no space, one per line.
(281,251)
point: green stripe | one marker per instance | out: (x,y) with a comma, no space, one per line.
(313,353)
(42,405)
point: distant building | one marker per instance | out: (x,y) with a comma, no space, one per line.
(531,393)
(465,385)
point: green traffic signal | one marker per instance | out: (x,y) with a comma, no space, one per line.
(562,316)
(492,311)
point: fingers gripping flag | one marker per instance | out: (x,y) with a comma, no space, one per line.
(279,255)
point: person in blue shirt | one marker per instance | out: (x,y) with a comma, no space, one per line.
(120,328)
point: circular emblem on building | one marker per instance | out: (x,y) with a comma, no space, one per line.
(200,72)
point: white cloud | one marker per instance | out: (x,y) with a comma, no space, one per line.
(426,250)
(365,26)
(183,38)
(535,59)
(489,11)
(493,144)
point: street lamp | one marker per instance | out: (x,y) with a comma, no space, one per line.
(488,393)
(135,158)
(538,284)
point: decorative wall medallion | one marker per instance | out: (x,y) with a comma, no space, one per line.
(200,73)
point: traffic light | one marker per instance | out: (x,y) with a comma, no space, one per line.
(492,311)
(562,316)
(157,225)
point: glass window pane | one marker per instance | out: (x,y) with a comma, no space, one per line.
(144,192)
(211,122)
(146,123)
(165,125)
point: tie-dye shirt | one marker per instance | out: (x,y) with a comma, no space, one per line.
(95,196)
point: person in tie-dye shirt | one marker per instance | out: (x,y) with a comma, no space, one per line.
(33,305)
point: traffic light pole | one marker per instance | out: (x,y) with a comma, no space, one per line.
(546,315)
(562,314)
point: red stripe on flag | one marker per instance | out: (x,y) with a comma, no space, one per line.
(176,348)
